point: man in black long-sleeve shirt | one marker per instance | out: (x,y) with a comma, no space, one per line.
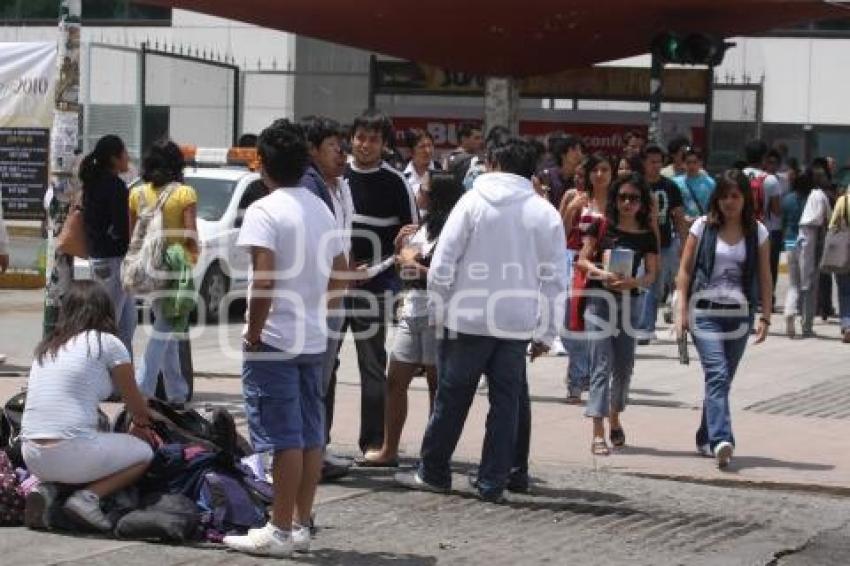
(383,203)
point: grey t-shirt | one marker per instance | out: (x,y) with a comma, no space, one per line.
(63,393)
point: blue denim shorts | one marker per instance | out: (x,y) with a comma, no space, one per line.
(283,400)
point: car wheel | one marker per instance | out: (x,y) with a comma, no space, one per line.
(213,292)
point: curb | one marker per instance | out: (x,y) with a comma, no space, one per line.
(833,490)
(21,280)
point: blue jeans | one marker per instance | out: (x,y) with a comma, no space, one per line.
(461,359)
(162,354)
(668,268)
(611,354)
(283,400)
(107,272)
(720,341)
(843,282)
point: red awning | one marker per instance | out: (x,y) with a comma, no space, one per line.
(510,37)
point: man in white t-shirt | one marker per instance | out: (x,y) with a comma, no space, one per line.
(814,220)
(294,248)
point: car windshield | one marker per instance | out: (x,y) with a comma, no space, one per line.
(213,196)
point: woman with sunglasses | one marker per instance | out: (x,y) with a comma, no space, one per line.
(725,269)
(615,248)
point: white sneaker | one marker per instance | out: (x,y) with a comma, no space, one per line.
(723,452)
(265,541)
(84,506)
(704,450)
(558,348)
(301,538)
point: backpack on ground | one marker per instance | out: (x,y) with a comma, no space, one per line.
(146,255)
(230,504)
(12,502)
(757,187)
(161,517)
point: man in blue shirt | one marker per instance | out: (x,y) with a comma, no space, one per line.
(695,185)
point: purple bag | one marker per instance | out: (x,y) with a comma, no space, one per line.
(231,507)
(11,500)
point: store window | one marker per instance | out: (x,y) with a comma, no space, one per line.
(95,12)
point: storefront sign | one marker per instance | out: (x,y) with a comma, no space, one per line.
(593,83)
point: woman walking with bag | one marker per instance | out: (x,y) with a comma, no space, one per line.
(626,237)
(839,228)
(725,269)
(106,215)
(580,209)
(162,170)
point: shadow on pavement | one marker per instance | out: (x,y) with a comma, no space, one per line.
(354,558)
(738,462)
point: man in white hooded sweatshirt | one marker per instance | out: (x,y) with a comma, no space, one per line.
(497,281)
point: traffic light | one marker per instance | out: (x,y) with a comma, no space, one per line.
(691,49)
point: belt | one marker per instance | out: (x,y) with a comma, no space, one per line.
(707,305)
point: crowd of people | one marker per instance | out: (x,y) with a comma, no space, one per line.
(492,257)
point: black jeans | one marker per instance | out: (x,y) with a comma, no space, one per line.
(366,317)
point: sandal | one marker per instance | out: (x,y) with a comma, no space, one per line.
(599,447)
(367,462)
(618,437)
(573,400)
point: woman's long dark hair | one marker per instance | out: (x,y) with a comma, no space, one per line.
(98,163)
(590,164)
(85,306)
(637,181)
(444,192)
(727,181)
(163,163)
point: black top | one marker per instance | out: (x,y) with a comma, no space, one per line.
(669,198)
(106,211)
(641,243)
(382,206)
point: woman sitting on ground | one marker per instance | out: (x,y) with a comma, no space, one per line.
(75,368)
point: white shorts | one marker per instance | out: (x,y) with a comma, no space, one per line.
(415,342)
(83,460)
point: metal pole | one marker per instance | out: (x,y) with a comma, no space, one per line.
(373,77)
(237,125)
(64,141)
(709,116)
(656,83)
(143,88)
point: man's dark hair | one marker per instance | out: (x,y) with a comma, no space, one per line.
(823,163)
(247,140)
(465,129)
(774,154)
(560,145)
(413,136)
(318,128)
(691,151)
(653,149)
(283,152)
(515,156)
(754,152)
(374,121)
(677,143)
(163,163)
(634,134)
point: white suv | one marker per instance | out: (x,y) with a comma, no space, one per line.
(222,266)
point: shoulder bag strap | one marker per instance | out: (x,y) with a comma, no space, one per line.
(694,196)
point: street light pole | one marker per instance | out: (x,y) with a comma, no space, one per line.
(656,84)
(64,141)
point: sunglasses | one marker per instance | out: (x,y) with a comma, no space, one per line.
(628,198)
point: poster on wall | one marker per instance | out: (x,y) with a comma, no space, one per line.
(27,93)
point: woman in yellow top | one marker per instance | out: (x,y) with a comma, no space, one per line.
(841,217)
(162,168)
